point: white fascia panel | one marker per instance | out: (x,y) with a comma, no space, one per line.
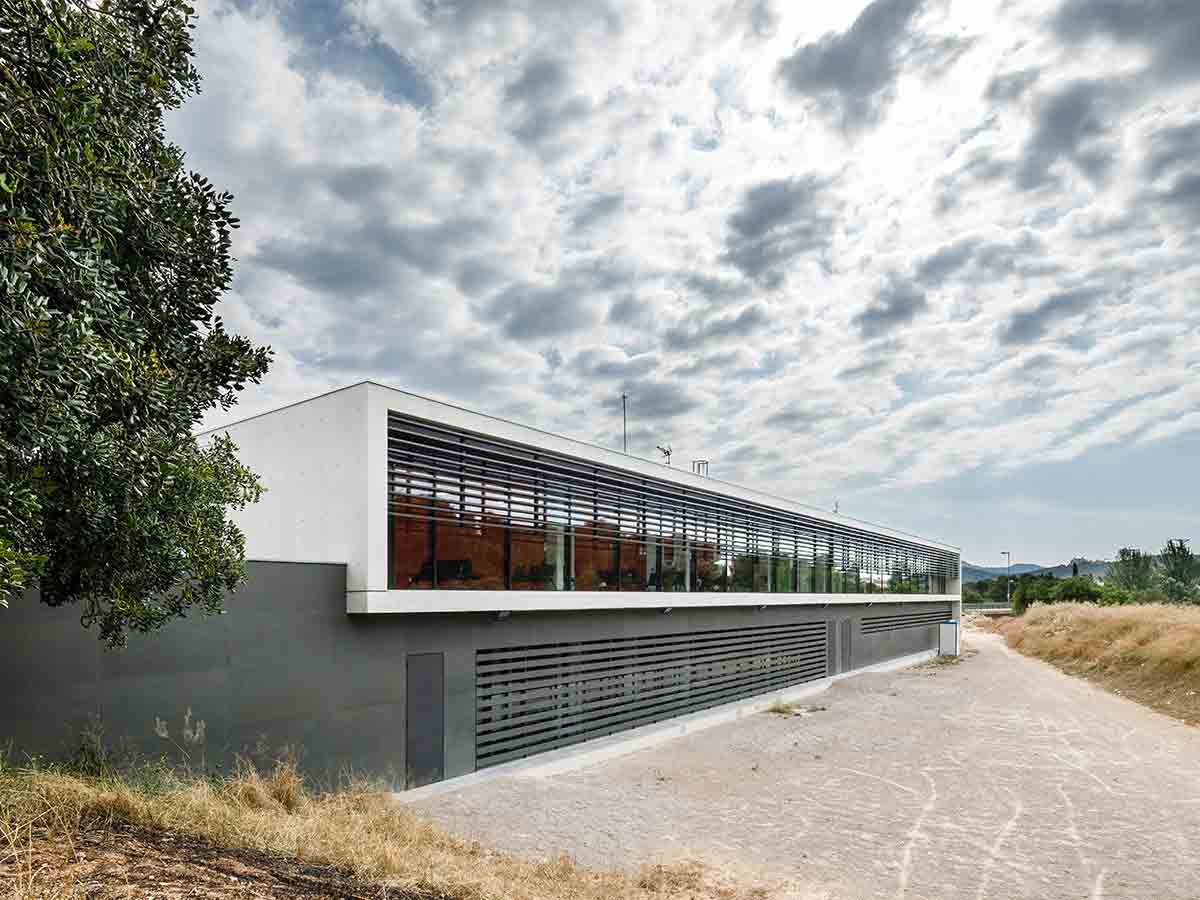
(433,601)
(313,459)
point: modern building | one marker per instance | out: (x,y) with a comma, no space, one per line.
(435,591)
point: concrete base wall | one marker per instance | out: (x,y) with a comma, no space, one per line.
(287,668)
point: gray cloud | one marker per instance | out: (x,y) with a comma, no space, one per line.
(1168,29)
(1173,149)
(541,105)
(651,399)
(334,42)
(1172,166)
(1027,326)
(320,267)
(1009,86)
(686,336)
(896,304)
(715,289)
(981,166)
(852,76)
(972,257)
(597,210)
(476,276)
(712,363)
(629,310)
(529,311)
(370,256)
(1071,124)
(608,362)
(943,263)
(776,222)
(761,18)
(798,415)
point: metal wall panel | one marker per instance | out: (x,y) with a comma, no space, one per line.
(894,621)
(425,719)
(535,698)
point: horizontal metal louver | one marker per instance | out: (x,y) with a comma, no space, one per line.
(535,698)
(922,619)
(441,474)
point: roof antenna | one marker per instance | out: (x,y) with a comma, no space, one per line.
(665,451)
(835,506)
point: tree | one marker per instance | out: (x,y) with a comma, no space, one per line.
(112,258)
(1179,571)
(1132,570)
(1077,589)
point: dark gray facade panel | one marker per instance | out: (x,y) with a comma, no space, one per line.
(286,669)
(425,719)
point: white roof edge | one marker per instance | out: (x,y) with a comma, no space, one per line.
(623,461)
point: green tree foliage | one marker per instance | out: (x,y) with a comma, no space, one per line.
(1179,572)
(1132,570)
(1077,589)
(112,257)
(1031,589)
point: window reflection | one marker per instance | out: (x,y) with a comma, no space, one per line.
(433,545)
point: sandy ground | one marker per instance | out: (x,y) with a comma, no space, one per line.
(998,777)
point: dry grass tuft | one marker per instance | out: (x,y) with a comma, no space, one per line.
(1150,653)
(781,708)
(359,830)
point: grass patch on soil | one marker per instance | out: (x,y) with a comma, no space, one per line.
(781,708)
(1148,653)
(256,834)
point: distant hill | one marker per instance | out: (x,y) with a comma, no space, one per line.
(1097,568)
(973,573)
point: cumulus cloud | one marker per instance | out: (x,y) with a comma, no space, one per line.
(1072,124)
(1029,325)
(530,206)
(852,75)
(897,304)
(778,221)
(1168,29)
(740,325)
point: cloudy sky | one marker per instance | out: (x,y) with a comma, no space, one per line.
(934,260)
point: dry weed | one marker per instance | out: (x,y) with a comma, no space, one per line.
(358,829)
(1148,652)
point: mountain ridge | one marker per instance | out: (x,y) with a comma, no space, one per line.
(972,573)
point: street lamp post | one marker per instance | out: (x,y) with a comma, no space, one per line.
(1008,580)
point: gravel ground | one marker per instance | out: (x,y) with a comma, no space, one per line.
(998,777)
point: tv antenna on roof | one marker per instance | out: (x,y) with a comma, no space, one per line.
(665,451)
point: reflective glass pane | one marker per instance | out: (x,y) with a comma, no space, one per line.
(470,555)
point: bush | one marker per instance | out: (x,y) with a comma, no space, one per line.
(1078,589)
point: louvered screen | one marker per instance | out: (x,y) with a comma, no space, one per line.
(442,478)
(534,698)
(875,624)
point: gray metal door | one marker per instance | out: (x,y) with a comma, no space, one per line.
(424,727)
(845,662)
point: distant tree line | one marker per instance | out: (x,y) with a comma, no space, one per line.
(1173,576)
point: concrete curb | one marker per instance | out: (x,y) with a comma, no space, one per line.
(598,750)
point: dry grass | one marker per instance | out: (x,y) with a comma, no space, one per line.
(357,830)
(781,708)
(1149,653)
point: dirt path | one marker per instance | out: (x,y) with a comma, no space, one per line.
(999,777)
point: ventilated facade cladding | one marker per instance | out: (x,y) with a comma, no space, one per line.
(469,511)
